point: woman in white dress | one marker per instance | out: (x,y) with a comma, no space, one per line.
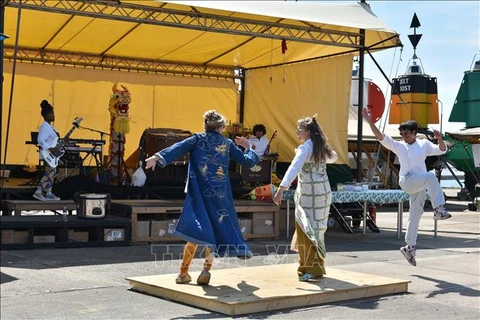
(312,197)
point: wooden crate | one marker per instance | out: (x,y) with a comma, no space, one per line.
(246,226)
(164,212)
(40,231)
(162,230)
(263,223)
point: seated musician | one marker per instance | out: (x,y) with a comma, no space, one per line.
(258,141)
(47,141)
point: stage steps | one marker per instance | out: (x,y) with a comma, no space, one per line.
(9,207)
(248,290)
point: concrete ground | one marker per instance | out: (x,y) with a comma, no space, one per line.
(89,283)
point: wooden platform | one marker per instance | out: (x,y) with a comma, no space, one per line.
(263,218)
(265,288)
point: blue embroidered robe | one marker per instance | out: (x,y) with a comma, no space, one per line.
(209,216)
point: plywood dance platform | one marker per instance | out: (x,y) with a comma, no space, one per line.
(271,287)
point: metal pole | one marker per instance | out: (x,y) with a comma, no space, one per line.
(2,28)
(361,62)
(242,96)
(441,117)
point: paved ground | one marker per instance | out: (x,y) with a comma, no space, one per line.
(88,283)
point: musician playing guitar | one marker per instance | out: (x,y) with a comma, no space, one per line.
(258,141)
(50,151)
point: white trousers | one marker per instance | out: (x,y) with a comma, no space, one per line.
(415,184)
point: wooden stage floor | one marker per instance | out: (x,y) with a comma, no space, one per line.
(241,291)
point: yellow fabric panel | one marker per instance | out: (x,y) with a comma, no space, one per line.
(183,107)
(37,28)
(374,37)
(164,43)
(85,34)
(254,55)
(321,87)
(203,46)
(157,101)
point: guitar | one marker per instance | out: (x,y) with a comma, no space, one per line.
(53,157)
(267,151)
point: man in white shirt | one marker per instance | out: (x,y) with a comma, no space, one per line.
(258,141)
(414,178)
(46,141)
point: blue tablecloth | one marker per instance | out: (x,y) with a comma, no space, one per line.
(374,196)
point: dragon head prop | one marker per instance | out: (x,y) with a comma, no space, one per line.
(118,108)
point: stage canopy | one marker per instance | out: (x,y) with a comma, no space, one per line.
(180,58)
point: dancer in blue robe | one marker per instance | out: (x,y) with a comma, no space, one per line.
(208,216)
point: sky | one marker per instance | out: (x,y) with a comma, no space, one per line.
(450,39)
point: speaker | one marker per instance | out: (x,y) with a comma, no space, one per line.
(92,205)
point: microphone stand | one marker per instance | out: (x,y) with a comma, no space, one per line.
(94,130)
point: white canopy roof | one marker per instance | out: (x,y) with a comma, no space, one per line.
(189,37)
(353,15)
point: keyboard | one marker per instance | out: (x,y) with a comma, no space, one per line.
(93,142)
(76,149)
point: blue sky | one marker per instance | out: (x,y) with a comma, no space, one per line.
(450,38)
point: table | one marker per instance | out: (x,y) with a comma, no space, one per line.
(373,196)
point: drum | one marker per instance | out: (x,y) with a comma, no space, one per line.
(154,140)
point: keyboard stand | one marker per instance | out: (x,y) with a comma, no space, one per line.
(98,162)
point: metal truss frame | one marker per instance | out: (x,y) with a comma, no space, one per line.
(76,59)
(161,16)
(116,10)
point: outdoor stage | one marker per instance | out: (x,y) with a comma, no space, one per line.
(17,189)
(249,290)
(136,214)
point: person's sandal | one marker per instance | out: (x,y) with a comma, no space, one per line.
(204,277)
(182,279)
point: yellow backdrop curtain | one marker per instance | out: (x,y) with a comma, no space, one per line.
(279,96)
(158,101)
